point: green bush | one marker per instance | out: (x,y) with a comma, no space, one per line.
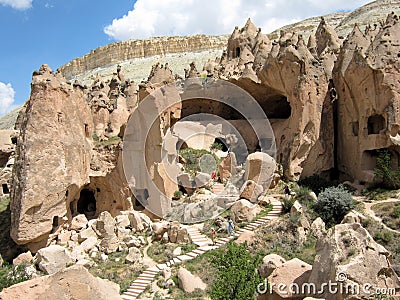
(390,177)
(287,204)
(216,146)
(178,194)
(333,204)
(10,275)
(236,276)
(396,211)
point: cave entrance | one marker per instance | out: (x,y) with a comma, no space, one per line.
(376,123)
(87,203)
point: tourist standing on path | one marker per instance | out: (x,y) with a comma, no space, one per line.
(213,235)
(231,226)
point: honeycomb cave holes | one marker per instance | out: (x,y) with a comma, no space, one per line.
(86,203)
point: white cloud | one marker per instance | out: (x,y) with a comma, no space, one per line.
(7,94)
(177,17)
(17,4)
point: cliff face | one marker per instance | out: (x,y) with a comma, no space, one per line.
(122,51)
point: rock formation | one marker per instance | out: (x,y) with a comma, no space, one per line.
(332,104)
(76,282)
(348,255)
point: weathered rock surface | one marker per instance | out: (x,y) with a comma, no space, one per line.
(74,283)
(244,211)
(270,263)
(189,282)
(53,258)
(348,253)
(56,116)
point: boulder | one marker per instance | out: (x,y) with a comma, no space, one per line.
(353,217)
(349,254)
(189,282)
(134,255)
(292,272)
(78,222)
(53,258)
(270,263)
(86,233)
(122,221)
(318,228)
(25,258)
(246,237)
(202,179)
(182,236)
(296,210)
(186,182)
(251,191)
(63,237)
(89,244)
(159,228)
(105,225)
(72,283)
(244,211)
(259,168)
(173,232)
(136,221)
(227,167)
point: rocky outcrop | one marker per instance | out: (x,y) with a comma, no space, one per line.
(76,282)
(52,156)
(368,102)
(348,255)
(189,282)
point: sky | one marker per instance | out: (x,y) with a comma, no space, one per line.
(53,32)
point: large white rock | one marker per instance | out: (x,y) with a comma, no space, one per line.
(244,210)
(53,258)
(189,282)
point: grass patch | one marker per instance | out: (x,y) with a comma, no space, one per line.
(280,237)
(192,157)
(113,140)
(10,275)
(379,194)
(116,270)
(389,212)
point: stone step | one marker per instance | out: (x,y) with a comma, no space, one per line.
(126,297)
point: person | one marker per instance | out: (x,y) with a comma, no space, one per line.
(213,235)
(287,192)
(231,226)
(214,175)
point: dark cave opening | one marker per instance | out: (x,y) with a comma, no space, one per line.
(376,123)
(87,203)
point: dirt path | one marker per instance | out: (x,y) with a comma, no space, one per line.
(147,260)
(370,212)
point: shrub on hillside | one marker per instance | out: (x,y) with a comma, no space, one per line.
(333,204)
(236,273)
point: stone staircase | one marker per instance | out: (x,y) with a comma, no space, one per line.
(204,243)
